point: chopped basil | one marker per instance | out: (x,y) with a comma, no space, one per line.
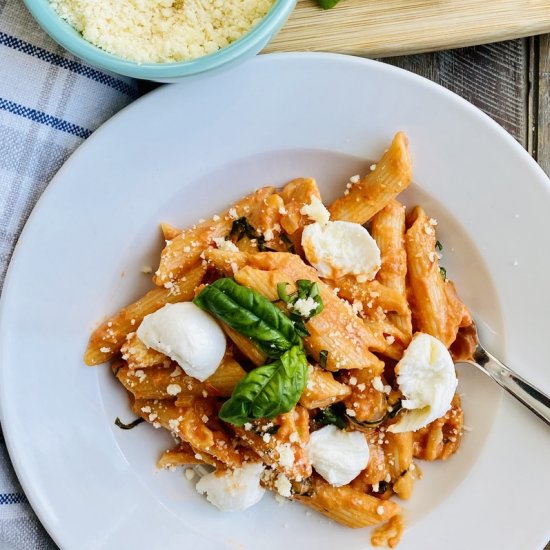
(443,273)
(305,290)
(242,228)
(289,245)
(334,414)
(129,426)
(438,246)
(323,358)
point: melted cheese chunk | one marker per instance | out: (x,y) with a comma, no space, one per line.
(233,490)
(426,376)
(338,456)
(187,335)
(341,248)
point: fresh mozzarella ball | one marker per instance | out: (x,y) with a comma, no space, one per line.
(233,490)
(187,335)
(426,376)
(338,456)
(341,248)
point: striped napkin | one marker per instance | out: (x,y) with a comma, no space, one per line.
(49,104)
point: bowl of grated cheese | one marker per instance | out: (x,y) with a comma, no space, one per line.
(162,40)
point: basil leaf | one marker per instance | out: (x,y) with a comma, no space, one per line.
(286,240)
(305,290)
(241,228)
(443,273)
(269,390)
(327,4)
(249,313)
(130,425)
(332,415)
(282,293)
(323,358)
(438,246)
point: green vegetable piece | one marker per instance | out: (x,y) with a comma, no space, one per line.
(249,313)
(438,246)
(332,415)
(269,390)
(304,289)
(323,358)
(443,273)
(129,426)
(241,228)
(327,4)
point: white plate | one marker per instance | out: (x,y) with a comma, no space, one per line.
(183,153)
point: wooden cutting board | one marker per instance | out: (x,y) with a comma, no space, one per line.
(376,28)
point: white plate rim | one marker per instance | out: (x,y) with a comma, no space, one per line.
(11,437)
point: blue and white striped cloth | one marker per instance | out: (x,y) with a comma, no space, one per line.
(49,103)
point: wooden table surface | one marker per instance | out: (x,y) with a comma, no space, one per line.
(510,81)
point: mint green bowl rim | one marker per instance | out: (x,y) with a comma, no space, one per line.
(71,40)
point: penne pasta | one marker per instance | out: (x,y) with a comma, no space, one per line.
(169,232)
(336,330)
(367,403)
(281,442)
(296,194)
(371,295)
(181,455)
(392,175)
(390,533)
(347,505)
(186,248)
(226,262)
(319,355)
(436,309)
(388,230)
(322,390)
(138,356)
(165,382)
(440,439)
(107,339)
(245,346)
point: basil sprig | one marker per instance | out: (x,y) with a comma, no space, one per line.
(269,390)
(250,314)
(305,290)
(274,388)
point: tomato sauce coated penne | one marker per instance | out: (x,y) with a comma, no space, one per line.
(306,357)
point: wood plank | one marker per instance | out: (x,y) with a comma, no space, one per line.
(492,77)
(376,28)
(543,110)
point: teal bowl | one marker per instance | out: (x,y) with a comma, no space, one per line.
(245,47)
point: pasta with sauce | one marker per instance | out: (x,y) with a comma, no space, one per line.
(333,379)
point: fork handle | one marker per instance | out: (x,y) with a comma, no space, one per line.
(535,400)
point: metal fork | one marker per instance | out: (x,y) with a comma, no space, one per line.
(534,399)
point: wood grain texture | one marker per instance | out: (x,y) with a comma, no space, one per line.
(393,27)
(493,77)
(540,102)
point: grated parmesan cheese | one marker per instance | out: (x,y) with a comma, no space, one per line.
(162,31)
